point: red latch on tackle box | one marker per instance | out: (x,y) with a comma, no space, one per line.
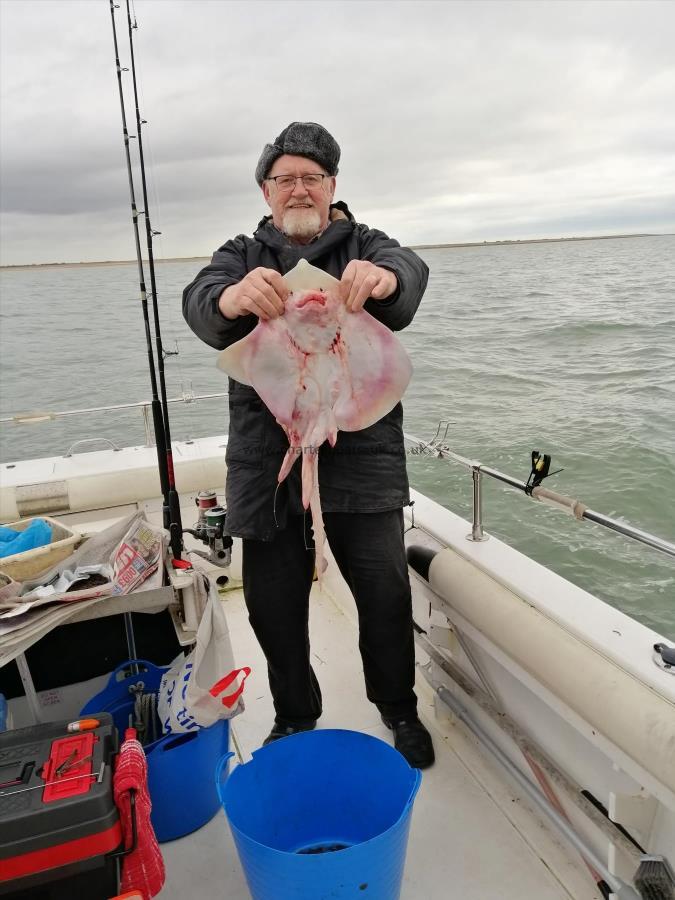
(68,770)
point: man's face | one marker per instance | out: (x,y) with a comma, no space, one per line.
(301,213)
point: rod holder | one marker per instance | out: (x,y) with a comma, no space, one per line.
(147,425)
(477,533)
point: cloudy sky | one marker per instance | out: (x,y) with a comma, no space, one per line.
(457,120)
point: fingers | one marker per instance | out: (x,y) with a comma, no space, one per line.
(260,304)
(261,293)
(352,283)
(271,287)
(277,283)
(386,286)
(361,280)
(347,281)
(363,290)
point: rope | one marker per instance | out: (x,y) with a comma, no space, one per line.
(145,718)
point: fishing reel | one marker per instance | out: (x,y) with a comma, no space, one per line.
(210,530)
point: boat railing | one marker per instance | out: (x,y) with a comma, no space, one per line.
(145,406)
(434,447)
(438,448)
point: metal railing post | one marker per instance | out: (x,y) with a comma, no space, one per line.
(477,533)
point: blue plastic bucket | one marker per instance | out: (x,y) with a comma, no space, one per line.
(180,766)
(321,814)
(180,779)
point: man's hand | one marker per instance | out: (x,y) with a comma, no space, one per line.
(262,293)
(361,280)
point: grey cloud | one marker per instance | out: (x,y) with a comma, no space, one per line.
(453,117)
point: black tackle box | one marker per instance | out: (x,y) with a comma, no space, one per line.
(59,827)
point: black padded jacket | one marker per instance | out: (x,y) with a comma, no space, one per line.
(365,471)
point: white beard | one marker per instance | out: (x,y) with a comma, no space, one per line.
(301,223)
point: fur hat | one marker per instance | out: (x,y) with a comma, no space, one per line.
(300,139)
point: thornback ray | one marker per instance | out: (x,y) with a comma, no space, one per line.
(319,369)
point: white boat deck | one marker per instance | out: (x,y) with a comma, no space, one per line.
(471,837)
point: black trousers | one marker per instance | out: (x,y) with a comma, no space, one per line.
(277,575)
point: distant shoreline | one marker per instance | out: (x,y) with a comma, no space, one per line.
(515,241)
(104,262)
(557,240)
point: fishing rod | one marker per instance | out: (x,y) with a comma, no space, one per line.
(160,415)
(175,524)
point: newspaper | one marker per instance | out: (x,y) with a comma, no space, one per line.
(132,547)
(137,557)
(9,589)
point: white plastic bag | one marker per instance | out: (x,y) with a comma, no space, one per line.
(203,687)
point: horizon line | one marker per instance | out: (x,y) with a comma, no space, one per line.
(441,246)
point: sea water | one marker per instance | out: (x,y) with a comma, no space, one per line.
(567,348)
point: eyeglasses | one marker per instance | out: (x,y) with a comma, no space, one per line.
(287,182)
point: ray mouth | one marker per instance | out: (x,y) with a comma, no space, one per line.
(312,298)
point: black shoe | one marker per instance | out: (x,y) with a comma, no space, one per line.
(282,731)
(412,740)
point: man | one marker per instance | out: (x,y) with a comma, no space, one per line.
(363,479)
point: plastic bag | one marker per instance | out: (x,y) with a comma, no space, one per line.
(37,534)
(204,686)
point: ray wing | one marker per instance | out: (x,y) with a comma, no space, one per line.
(376,372)
(265,360)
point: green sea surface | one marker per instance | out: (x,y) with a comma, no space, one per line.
(568,348)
